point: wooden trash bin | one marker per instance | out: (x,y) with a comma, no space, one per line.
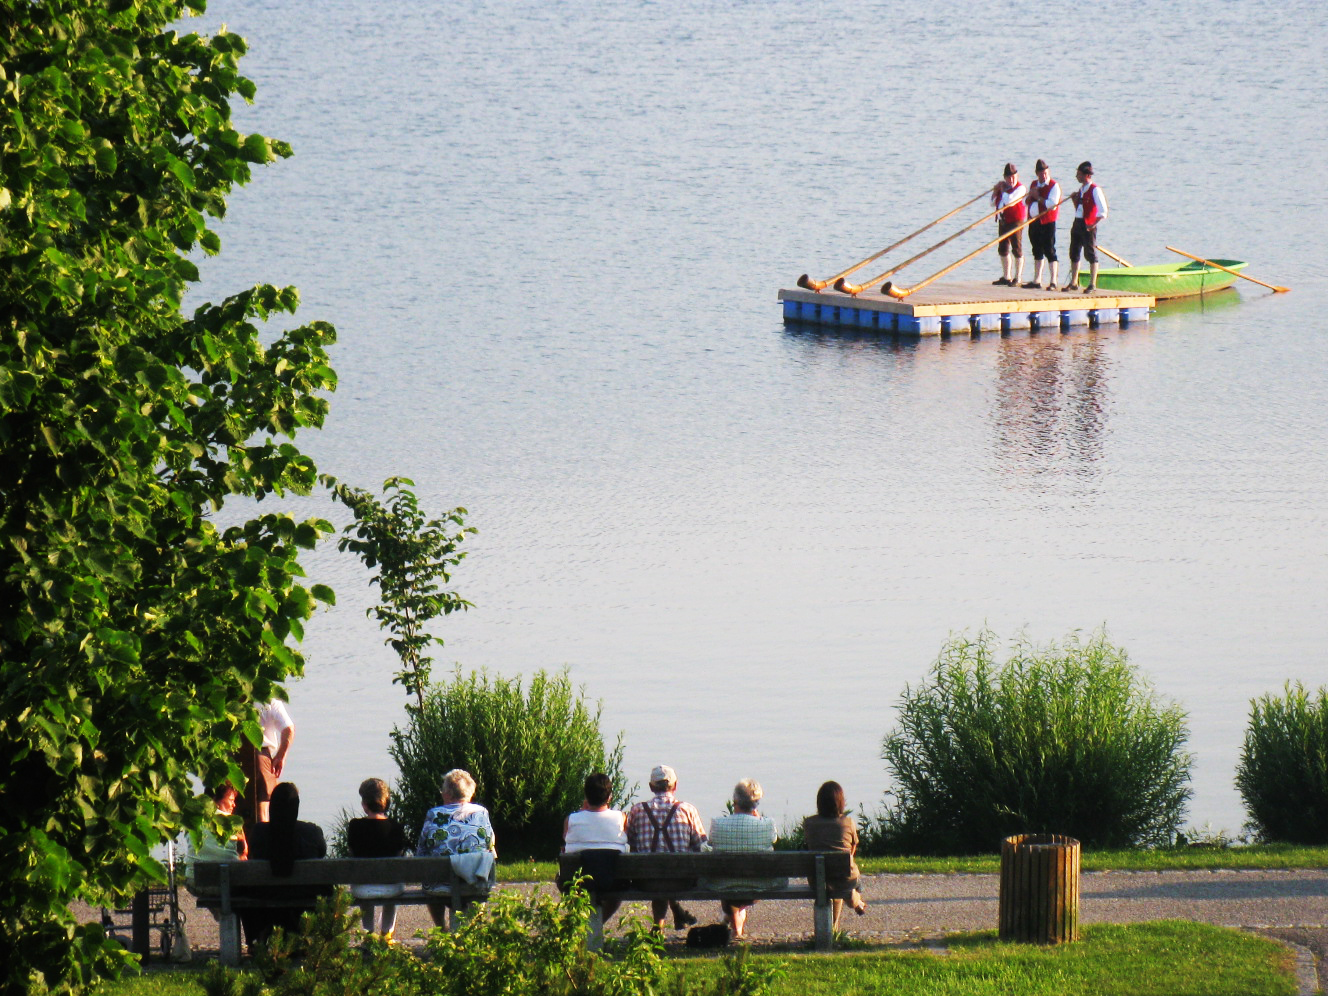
(1039,889)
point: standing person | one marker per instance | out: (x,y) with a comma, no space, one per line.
(665,824)
(596,827)
(831,830)
(1090,209)
(744,829)
(1044,194)
(263,766)
(376,835)
(1008,196)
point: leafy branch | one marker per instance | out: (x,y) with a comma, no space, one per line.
(414,558)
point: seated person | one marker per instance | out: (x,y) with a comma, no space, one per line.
(376,835)
(831,830)
(596,827)
(664,823)
(212,849)
(745,829)
(458,826)
(283,840)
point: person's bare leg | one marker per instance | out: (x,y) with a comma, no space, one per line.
(659,909)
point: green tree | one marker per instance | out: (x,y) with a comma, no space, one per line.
(414,558)
(135,633)
(1283,770)
(1059,738)
(528,747)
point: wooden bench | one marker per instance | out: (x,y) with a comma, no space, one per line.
(807,874)
(220,886)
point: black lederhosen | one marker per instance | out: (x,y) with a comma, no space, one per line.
(1042,239)
(1082,238)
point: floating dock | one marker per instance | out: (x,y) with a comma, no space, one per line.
(943,309)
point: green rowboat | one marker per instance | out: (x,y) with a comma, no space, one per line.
(1168,279)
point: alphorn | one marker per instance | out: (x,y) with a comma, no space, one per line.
(808,283)
(899,294)
(1122,262)
(855,289)
(1209,262)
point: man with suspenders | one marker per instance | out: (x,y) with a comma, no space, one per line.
(665,824)
(1090,207)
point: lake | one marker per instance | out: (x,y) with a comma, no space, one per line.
(551,237)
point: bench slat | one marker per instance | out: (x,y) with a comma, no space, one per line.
(722,864)
(329,871)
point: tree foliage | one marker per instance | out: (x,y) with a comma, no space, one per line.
(528,746)
(1283,770)
(134,632)
(414,558)
(1060,738)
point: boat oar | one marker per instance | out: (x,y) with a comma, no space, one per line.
(855,289)
(1122,262)
(807,282)
(900,294)
(1219,266)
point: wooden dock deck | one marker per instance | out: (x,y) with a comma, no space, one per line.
(966,307)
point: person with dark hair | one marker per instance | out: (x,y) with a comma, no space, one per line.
(598,832)
(376,835)
(283,840)
(1044,194)
(831,830)
(1090,209)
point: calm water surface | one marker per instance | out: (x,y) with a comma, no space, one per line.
(551,236)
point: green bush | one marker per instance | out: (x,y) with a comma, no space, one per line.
(1059,739)
(529,750)
(1283,770)
(512,945)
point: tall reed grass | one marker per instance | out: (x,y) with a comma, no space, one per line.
(1283,770)
(529,749)
(1062,738)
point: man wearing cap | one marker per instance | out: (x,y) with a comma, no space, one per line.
(1008,197)
(665,824)
(1090,208)
(1043,196)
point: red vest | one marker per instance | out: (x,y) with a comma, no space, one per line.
(1016,212)
(1089,204)
(1039,192)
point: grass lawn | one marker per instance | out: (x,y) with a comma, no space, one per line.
(1175,958)
(1162,859)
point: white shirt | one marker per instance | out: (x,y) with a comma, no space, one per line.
(606,829)
(1009,197)
(274,719)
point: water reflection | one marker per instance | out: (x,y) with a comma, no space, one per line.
(1051,405)
(1202,304)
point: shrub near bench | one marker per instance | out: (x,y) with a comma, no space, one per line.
(807,873)
(221,886)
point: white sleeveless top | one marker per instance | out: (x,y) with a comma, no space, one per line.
(586,830)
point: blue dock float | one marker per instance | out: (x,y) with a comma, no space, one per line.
(966,308)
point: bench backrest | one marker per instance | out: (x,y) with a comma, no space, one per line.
(787,864)
(326,871)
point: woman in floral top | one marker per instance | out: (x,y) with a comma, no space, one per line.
(458,826)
